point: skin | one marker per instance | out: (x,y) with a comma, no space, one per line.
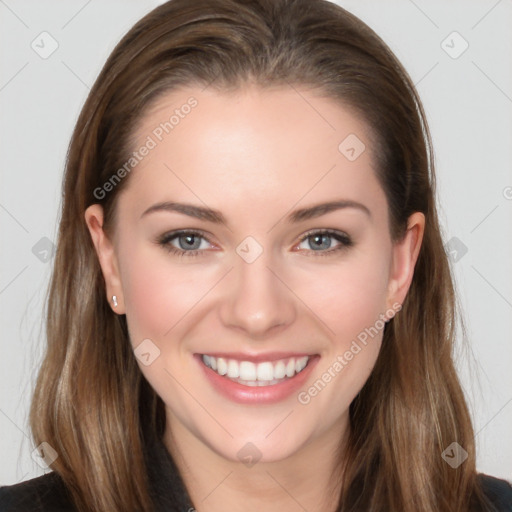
(255,155)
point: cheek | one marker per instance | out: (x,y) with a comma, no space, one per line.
(350,304)
(158,293)
(348,296)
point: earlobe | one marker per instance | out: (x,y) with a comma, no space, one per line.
(106,257)
(405,255)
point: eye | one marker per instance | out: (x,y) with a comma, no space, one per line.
(189,242)
(321,241)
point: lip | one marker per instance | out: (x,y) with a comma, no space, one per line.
(257,394)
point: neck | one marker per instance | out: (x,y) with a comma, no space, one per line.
(308,480)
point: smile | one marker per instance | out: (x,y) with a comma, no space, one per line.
(248,373)
(257,379)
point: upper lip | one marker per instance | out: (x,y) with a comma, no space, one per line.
(257,358)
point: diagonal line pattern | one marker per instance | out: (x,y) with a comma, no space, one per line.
(297,202)
(14,218)
(491,285)
(427,73)
(197,302)
(492,211)
(75,74)
(165,165)
(14,76)
(486,14)
(506,403)
(311,105)
(20,429)
(286,491)
(424,14)
(300,299)
(492,81)
(210,82)
(282,421)
(3,3)
(198,402)
(75,15)
(13,279)
(216,487)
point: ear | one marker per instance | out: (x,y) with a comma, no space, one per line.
(106,256)
(405,255)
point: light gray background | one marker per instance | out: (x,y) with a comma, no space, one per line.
(468,100)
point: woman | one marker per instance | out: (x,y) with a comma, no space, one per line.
(251,307)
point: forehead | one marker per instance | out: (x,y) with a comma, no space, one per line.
(253,146)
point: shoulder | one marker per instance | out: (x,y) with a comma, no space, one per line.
(498,491)
(40,494)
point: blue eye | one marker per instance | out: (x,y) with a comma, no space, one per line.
(186,240)
(189,242)
(320,242)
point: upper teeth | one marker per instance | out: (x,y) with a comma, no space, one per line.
(264,371)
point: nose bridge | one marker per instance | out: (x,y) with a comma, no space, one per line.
(257,301)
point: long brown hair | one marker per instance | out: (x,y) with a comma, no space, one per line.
(91,402)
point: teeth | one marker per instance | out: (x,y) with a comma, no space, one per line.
(222,366)
(233,369)
(248,371)
(290,368)
(266,373)
(279,370)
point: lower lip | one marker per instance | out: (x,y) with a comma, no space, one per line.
(257,394)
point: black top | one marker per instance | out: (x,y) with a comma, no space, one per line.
(47,493)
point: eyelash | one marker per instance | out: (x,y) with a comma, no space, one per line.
(164,241)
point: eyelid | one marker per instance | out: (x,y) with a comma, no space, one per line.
(343,238)
(171,235)
(190,231)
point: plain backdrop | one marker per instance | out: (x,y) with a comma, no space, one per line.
(458,55)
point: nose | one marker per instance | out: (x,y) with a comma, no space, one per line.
(257,300)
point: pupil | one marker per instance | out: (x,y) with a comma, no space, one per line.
(318,239)
(189,240)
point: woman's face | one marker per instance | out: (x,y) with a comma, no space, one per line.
(270,277)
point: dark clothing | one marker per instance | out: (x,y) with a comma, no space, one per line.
(47,493)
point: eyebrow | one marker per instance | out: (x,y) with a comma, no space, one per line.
(215,216)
